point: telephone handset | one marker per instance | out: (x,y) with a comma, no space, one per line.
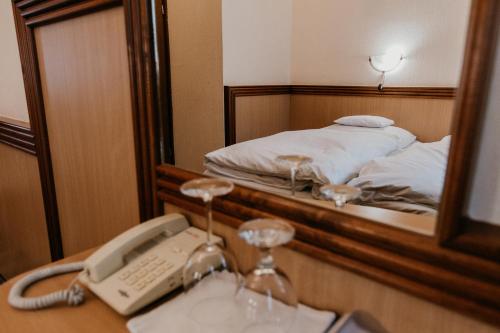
(129,272)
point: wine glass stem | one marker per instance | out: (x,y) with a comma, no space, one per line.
(266,259)
(293,171)
(209,221)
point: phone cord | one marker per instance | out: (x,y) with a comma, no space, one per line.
(73,295)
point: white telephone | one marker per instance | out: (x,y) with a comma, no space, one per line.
(131,271)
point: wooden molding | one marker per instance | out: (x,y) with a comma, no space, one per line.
(413,92)
(232,92)
(29,14)
(408,261)
(18,137)
(455,229)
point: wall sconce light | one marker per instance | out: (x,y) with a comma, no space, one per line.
(386,62)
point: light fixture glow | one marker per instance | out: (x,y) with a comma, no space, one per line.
(386,62)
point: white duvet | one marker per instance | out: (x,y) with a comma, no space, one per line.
(421,169)
(338,154)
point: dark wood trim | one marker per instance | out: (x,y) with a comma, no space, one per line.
(68,9)
(478,237)
(43,7)
(412,92)
(145,111)
(455,229)
(232,92)
(29,63)
(31,14)
(405,260)
(163,90)
(18,137)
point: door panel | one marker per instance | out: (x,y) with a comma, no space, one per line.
(84,75)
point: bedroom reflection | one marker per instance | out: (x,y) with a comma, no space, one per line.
(298,81)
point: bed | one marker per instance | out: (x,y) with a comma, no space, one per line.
(341,154)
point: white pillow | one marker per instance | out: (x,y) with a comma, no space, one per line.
(365,121)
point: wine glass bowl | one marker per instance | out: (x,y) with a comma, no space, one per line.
(266,233)
(340,194)
(266,297)
(206,188)
(294,162)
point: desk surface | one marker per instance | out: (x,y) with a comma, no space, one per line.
(91,316)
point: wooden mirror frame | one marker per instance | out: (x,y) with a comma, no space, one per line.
(422,265)
(455,229)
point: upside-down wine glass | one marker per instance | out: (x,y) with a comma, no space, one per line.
(210,265)
(294,162)
(340,194)
(266,298)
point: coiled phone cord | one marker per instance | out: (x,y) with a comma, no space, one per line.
(73,295)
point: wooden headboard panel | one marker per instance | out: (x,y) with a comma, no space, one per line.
(426,112)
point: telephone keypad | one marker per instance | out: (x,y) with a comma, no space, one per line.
(149,270)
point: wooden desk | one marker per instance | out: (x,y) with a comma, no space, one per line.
(91,316)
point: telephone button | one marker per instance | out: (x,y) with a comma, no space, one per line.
(142,273)
(159,261)
(134,268)
(161,270)
(131,280)
(150,278)
(124,275)
(151,267)
(144,262)
(140,285)
(152,257)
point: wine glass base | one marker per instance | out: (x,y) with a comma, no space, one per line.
(214,311)
(264,328)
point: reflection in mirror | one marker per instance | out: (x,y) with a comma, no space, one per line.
(363,89)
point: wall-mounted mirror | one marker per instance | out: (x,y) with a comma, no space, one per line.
(362,91)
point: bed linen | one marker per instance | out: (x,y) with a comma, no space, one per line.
(410,181)
(338,153)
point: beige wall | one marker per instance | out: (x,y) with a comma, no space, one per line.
(484,202)
(195,31)
(257,41)
(12,96)
(330,41)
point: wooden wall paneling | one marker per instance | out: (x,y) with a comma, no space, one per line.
(407,261)
(332,287)
(455,229)
(24,241)
(427,110)
(260,116)
(230,95)
(85,82)
(428,119)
